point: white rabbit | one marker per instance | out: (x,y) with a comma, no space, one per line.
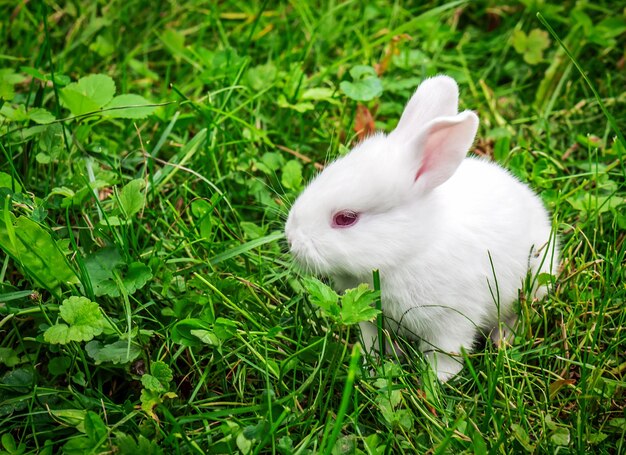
(454,238)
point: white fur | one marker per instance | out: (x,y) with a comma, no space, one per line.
(453,237)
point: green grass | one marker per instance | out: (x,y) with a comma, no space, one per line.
(204,339)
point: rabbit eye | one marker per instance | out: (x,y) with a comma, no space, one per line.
(345,218)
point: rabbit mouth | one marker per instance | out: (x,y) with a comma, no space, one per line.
(308,256)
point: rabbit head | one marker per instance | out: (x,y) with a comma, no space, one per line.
(364,209)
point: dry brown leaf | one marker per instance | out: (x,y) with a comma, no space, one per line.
(364,124)
(390,51)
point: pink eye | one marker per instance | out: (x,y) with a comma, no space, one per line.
(345,218)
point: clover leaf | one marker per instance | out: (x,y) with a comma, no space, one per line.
(365,85)
(105,263)
(531,46)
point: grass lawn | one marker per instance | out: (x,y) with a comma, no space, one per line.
(149,154)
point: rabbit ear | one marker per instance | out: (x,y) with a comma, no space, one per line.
(435,97)
(441,147)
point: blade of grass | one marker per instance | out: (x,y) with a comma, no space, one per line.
(605,111)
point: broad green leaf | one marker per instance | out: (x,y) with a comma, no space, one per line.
(15,114)
(320,94)
(100,88)
(131,198)
(20,379)
(356,305)
(71,417)
(537,42)
(292,175)
(102,266)
(365,90)
(80,311)
(6,181)
(126,445)
(89,94)
(323,296)
(150,399)
(58,334)
(8,79)
(285,445)
(206,336)
(20,114)
(345,445)
(404,419)
(128,106)
(224,329)
(102,46)
(273,161)
(560,437)
(95,428)
(76,102)
(365,85)
(78,445)
(519,41)
(252,230)
(35,250)
(136,277)
(142,68)
(58,366)
(8,442)
(181,332)
(62,191)
(590,202)
(596,438)
(33,72)
(84,320)
(531,46)
(9,357)
(618,422)
(201,209)
(257,431)
(159,378)
(361,72)
(522,437)
(151,383)
(174,41)
(243,444)
(261,77)
(478,441)
(373,444)
(162,372)
(52,142)
(40,116)
(117,352)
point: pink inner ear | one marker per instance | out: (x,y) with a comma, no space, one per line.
(432,144)
(441,147)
